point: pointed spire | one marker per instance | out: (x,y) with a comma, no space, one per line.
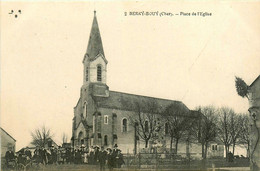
(95,46)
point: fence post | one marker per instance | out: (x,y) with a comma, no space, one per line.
(156,160)
(127,156)
(139,160)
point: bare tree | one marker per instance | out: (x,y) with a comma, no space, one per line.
(41,136)
(177,120)
(235,128)
(64,138)
(205,129)
(224,127)
(145,119)
(245,131)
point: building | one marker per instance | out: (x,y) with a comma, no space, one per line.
(254,109)
(101,116)
(7,141)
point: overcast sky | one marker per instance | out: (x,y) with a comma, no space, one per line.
(193,59)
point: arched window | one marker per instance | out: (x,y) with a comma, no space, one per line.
(166,128)
(80,138)
(105,140)
(87,74)
(94,125)
(85,110)
(146,126)
(124,125)
(99,73)
(106,119)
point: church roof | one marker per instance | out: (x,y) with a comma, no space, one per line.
(123,101)
(6,133)
(95,46)
(255,81)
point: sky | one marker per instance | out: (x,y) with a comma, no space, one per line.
(193,59)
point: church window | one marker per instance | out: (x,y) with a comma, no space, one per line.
(105,140)
(99,73)
(105,119)
(124,125)
(146,126)
(87,74)
(166,129)
(85,109)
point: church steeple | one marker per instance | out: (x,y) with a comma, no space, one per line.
(94,62)
(95,46)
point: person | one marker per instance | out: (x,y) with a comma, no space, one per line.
(9,156)
(59,155)
(91,155)
(119,159)
(114,155)
(37,155)
(77,156)
(21,159)
(67,155)
(72,156)
(54,155)
(96,151)
(230,157)
(28,153)
(102,156)
(43,154)
(109,159)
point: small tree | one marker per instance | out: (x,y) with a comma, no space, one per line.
(241,87)
(235,128)
(206,128)
(64,138)
(144,120)
(224,127)
(245,131)
(41,136)
(177,118)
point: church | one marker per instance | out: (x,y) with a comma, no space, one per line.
(101,116)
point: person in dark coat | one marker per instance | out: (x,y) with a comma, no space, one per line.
(28,153)
(9,156)
(114,155)
(77,156)
(110,159)
(43,153)
(119,159)
(37,155)
(54,155)
(91,155)
(96,151)
(102,157)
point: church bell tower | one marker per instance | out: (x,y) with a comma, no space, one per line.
(94,86)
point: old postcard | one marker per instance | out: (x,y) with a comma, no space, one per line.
(130,85)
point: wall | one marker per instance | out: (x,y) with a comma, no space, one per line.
(6,140)
(254,109)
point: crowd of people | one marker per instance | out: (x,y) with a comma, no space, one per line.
(95,155)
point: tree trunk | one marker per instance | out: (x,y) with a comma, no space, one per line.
(248,151)
(202,150)
(206,150)
(146,143)
(226,148)
(234,148)
(171,145)
(176,145)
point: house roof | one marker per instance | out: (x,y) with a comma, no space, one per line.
(95,46)
(255,81)
(7,133)
(123,101)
